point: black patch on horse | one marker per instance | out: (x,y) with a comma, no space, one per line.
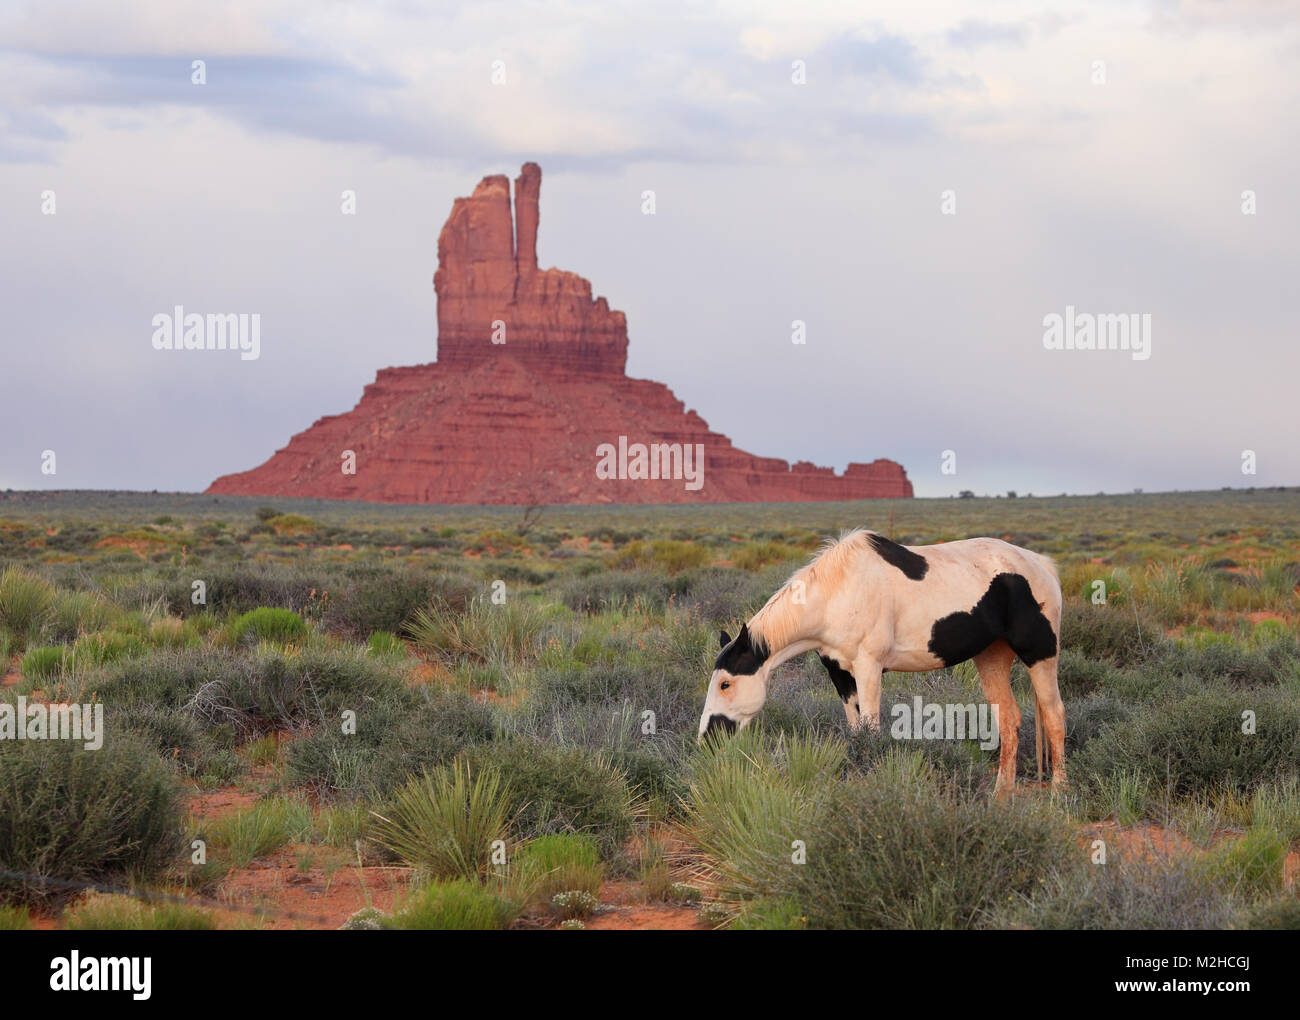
(913,565)
(719,724)
(840,677)
(1007,610)
(743,656)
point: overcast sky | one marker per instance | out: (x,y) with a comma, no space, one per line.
(1097,154)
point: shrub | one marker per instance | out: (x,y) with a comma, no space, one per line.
(895,850)
(446,821)
(397,738)
(248,694)
(1134,891)
(599,592)
(895,855)
(179,739)
(1114,634)
(244,588)
(84,816)
(1280,914)
(562,789)
(388,601)
(1197,744)
(268,624)
(575,904)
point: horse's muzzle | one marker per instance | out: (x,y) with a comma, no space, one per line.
(719,724)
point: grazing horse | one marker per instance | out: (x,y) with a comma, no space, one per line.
(866,605)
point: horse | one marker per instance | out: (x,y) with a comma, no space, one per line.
(867,605)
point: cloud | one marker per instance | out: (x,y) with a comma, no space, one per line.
(974,34)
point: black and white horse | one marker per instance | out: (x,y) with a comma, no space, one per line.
(866,605)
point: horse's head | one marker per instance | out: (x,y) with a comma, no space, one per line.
(738,686)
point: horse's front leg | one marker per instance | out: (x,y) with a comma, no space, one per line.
(867,671)
(846,687)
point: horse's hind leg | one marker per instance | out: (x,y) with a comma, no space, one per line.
(994,665)
(1047,697)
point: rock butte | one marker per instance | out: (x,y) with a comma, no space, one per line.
(520,422)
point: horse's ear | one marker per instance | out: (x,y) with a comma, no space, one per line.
(723,639)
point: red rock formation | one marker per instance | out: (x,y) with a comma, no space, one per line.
(528,401)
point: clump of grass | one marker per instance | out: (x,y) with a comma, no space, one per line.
(81,612)
(26,604)
(264,752)
(342,825)
(1251,864)
(264,828)
(761,554)
(562,863)
(171,632)
(652,868)
(506,634)
(1276,805)
(15,918)
(456,904)
(446,822)
(665,555)
(99,649)
(109,912)
(291,524)
(384,643)
(765,915)
(42,663)
(267,623)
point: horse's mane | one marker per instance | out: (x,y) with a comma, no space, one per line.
(778,621)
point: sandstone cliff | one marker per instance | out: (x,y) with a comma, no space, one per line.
(528,390)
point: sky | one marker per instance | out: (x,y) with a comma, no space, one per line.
(923,185)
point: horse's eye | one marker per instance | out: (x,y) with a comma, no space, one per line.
(724,685)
